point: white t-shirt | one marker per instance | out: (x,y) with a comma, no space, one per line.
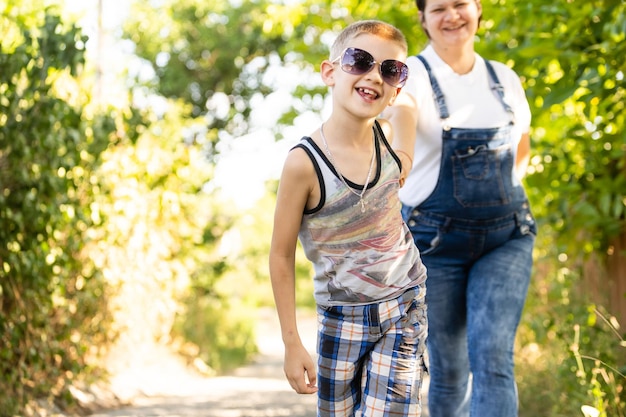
(471,103)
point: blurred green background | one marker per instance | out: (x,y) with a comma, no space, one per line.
(140,144)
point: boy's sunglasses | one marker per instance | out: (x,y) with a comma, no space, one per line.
(356,61)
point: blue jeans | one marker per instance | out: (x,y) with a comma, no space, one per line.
(478,277)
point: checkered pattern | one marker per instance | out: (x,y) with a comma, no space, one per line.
(370,359)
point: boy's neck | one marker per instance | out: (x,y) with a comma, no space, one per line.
(356,132)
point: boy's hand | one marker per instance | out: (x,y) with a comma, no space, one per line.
(407,164)
(403,176)
(300,370)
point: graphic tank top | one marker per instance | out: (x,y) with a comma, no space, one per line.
(359,258)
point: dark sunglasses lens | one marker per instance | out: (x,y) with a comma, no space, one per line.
(357,61)
(394,72)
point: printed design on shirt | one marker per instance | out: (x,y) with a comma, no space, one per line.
(359,257)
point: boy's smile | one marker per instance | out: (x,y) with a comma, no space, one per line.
(367,94)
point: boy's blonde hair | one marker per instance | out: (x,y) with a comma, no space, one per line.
(373,27)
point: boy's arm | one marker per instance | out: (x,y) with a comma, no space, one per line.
(293,193)
(403,118)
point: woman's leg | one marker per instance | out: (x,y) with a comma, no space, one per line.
(497,289)
(448,392)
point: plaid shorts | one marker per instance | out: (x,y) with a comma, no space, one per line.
(371,357)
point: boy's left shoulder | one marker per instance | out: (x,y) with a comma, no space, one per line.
(386,127)
(386,130)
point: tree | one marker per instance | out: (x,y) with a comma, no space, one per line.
(570,61)
(52,300)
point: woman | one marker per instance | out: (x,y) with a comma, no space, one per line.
(461,124)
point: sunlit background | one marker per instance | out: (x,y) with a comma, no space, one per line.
(138,189)
(246,163)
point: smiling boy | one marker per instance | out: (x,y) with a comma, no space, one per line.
(338,194)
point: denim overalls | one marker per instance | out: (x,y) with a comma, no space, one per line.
(475,233)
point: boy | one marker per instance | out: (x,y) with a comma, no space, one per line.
(338,194)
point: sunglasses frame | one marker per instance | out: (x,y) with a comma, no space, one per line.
(404,69)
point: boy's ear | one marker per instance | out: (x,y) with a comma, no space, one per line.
(327,71)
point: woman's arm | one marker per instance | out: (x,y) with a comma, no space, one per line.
(523,156)
(402,116)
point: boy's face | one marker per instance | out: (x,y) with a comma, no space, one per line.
(358,85)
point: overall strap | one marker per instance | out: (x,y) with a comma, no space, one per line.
(437,93)
(494,81)
(497,88)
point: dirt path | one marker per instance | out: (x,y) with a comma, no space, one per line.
(256,390)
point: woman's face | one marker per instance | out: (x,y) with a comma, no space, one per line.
(451,23)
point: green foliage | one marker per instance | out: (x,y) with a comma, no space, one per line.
(596,349)
(215,318)
(569,59)
(52,300)
(157,239)
(221,332)
(569,353)
(195,59)
(221,308)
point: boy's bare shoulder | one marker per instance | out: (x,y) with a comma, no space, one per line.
(386,127)
(298,163)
